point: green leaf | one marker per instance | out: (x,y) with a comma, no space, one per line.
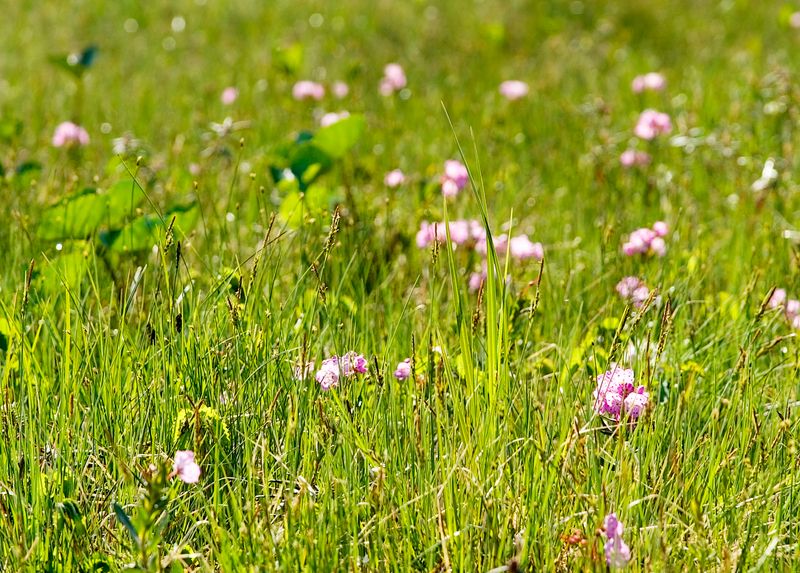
(289,58)
(307,162)
(142,233)
(79,215)
(296,205)
(338,138)
(123,518)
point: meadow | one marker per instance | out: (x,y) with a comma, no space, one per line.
(498,285)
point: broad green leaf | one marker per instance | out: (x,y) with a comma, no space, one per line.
(296,205)
(123,518)
(338,138)
(76,216)
(142,233)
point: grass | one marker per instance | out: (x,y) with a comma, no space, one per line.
(491,456)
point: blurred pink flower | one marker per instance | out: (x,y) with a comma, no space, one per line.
(633,290)
(778,298)
(618,554)
(403,371)
(652,123)
(794,20)
(394,179)
(522,248)
(455,178)
(305,89)
(340,90)
(229,95)
(652,81)
(647,241)
(353,363)
(332,117)
(185,468)
(513,89)
(631,158)
(328,374)
(394,79)
(68,134)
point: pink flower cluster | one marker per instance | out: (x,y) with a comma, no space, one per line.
(455,178)
(305,89)
(229,95)
(652,123)
(790,307)
(185,468)
(393,80)
(616,395)
(633,290)
(652,81)
(335,367)
(647,241)
(618,554)
(461,233)
(513,89)
(633,158)
(403,370)
(69,134)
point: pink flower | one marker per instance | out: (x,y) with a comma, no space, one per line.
(647,241)
(394,79)
(394,179)
(353,363)
(305,89)
(403,371)
(652,81)
(794,20)
(631,158)
(522,248)
(332,117)
(612,395)
(513,89)
(618,554)
(455,178)
(68,134)
(778,298)
(633,290)
(652,123)
(340,90)
(476,280)
(185,468)
(328,374)
(229,95)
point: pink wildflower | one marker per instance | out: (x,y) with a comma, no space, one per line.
(403,371)
(633,290)
(513,89)
(652,81)
(332,117)
(455,178)
(618,554)
(328,374)
(647,241)
(394,179)
(613,390)
(185,468)
(340,90)
(652,123)
(394,79)
(68,134)
(353,363)
(633,158)
(229,95)
(522,248)
(305,89)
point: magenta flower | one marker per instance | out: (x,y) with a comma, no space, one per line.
(778,298)
(649,82)
(455,178)
(353,363)
(332,117)
(340,90)
(403,371)
(514,89)
(394,179)
(651,124)
(522,248)
(68,134)
(611,397)
(304,90)
(394,79)
(229,95)
(618,554)
(185,468)
(633,158)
